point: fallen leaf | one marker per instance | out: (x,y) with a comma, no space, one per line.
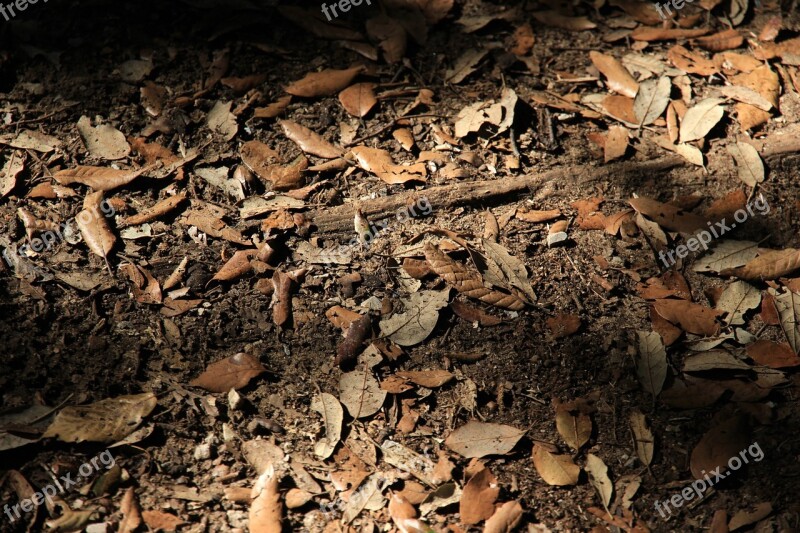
(748,163)
(667,216)
(746,517)
(93,226)
(719,42)
(103,141)
(773,355)
(718,445)
(477,500)
(512,268)
(788,306)
(770,264)
(618,78)
(700,119)
(98,178)
(642,436)
(651,100)
(467,282)
(161,521)
(131,512)
(616,143)
(361,393)
(358,99)
(333,417)
(738,298)
(598,476)
(220,120)
(267,165)
(563,325)
(465,65)
(505,519)
(109,420)
(479,439)
(574,425)
(726,255)
(651,363)
(233,372)
(691,317)
(419,318)
(266,509)
(380,163)
(556,470)
(430,379)
(324,83)
(308,141)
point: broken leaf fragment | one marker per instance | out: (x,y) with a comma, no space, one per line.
(333,416)
(233,372)
(108,420)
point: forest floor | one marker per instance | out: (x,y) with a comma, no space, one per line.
(433,265)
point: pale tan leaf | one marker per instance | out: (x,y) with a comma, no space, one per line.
(616,143)
(738,298)
(700,119)
(103,141)
(748,163)
(652,100)
(512,268)
(727,255)
(651,363)
(333,417)
(431,379)
(220,120)
(309,141)
(574,426)
(788,306)
(465,65)
(752,515)
(418,319)
(361,393)
(598,476)
(131,512)
(233,372)
(108,420)
(642,436)
(557,470)
(714,360)
(479,439)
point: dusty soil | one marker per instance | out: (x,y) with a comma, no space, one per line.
(60,344)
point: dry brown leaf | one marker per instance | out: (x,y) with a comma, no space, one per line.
(668,216)
(109,420)
(618,78)
(404,515)
(266,509)
(103,141)
(719,42)
(358,332)
(479,439)
(309,141)
(274,109)
(233,372)
(380,163)
(210,223)
(651,101)
(770,264)
(93,226)
(772,354)
(151,213)
(718,445)
(431,379)
(556,470)
(538,216)
(616,143)
(554,19)
(267,165)
(691,317)
(358,99)
(98,178)
(146,288)
(131,512)
(324,83)
(477,500)
(574,425)
(473,314)
(340,317)
(691,62)
(787,305)
(237,266)
(465,65)
(467,282)
(391,36)
(563,325)
(648,34)
(642,436)
(752,515)
(222,121)
(651,362)
(505,519)
(522,40)
(161,521)
(361,393)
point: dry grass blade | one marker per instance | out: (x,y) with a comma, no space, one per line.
(466,282)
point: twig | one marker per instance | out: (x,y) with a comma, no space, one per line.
(39,119)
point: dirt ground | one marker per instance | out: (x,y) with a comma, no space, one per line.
(79,330)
